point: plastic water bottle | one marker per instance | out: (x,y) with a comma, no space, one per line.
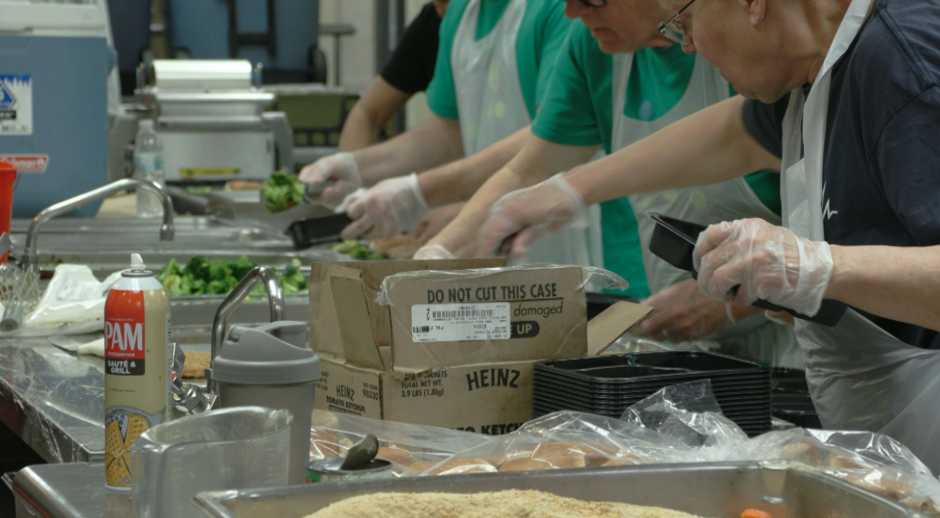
(148,165)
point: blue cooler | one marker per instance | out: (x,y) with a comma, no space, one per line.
(54,64)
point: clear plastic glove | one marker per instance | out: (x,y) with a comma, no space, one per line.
(523,217)
(390,208)
(436,221)
(682,314)
(341,168)
(762,261)
(433,252)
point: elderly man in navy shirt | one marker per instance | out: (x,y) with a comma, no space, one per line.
(843,98)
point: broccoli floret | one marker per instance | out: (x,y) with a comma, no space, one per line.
(218,287)
(219,271)
(281,192)
(173,284)
(199,287)
(170,269)
(347,247)
(199,268)
(241,267)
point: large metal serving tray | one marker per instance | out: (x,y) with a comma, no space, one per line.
(721,490)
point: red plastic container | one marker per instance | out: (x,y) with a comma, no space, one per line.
(7,179)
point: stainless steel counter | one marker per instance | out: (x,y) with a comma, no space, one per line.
(54,400)
(68,491)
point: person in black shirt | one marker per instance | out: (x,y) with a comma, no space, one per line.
(409,71)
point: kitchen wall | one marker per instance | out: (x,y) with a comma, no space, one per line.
(357,58)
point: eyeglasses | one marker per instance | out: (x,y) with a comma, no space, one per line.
(594,3)
(673,28)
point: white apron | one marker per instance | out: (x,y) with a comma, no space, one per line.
(860,377)
(492,107)
(754,337)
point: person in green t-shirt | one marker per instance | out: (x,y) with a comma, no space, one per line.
(601,96)
(493,66)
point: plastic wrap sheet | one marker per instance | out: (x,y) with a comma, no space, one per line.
(72,303)
(873,461)
(682,424)
(410,448)
(631,344)
(52,399)
(689,413)
(603,279)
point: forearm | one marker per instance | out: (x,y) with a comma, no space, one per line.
(460,236)
(370,113)
(538,160)
(459,180)
(359,131)
(901,284)
(435,143)
(707,147)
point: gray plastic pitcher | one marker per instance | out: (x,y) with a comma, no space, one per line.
(238,448)
(271,366)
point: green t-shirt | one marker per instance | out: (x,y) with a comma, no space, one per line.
(541,36)
(577,110)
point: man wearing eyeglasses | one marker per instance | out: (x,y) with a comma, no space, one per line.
(853,115)
(601,95)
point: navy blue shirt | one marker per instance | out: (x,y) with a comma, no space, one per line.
(881,170)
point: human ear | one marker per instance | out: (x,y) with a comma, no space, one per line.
(756,10)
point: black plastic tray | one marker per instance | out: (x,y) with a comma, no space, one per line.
(789,380)
(688,360)
(640,372)
(757,409)
(674,240)
(626,390)
(725,402)
(750,427)
(573,392)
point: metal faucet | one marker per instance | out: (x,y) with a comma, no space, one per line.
(272,285)
(32,235)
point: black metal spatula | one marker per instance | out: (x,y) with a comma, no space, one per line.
(318,230)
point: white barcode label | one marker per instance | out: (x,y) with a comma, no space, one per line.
(460,322)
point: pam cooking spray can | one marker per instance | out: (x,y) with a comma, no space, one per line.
(136,376)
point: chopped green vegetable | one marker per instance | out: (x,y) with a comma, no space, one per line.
(281,192)
(219,277)
(357,250)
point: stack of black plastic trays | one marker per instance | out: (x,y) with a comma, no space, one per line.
(608,385)
(790,398)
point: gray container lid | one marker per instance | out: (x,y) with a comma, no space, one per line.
(272,354)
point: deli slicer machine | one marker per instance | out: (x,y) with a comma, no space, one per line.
(212,122)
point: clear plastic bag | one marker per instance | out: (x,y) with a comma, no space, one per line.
(689,413)
(869,460)
(410,448)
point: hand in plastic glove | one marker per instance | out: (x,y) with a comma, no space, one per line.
(390,208)
(341,168)
(765,262)
(527,215)
(433,252)
(682,313)
(434,223)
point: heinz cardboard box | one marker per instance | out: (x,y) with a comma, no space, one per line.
(448,343)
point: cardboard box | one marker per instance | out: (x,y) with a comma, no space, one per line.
(448,348)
